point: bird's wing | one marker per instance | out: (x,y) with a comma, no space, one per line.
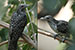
(13,22)
(53,26)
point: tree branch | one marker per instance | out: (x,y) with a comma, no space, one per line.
(59,39)
(24,37)
(4,24)
(29,17)
(29,40)
(5,42)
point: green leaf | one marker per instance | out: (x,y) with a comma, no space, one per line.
(3,9)
(73,7)
(72,27)
(52,6)
(15,2)
(30,29)
(63,2)
(4,34)
(71,47)
(28,47)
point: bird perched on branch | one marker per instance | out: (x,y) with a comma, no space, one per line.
(17,24)
(58,26)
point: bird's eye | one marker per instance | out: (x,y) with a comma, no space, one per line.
(47,18)
(22,6)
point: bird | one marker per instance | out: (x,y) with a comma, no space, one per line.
(48,7)
(17,25)
(59,26)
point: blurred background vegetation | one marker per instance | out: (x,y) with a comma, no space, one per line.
(7,7)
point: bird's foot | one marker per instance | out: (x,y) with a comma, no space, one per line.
(63,39)
(56,35)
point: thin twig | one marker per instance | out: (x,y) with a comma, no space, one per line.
(29,40)
(29,17)
(33,35)
(59,39)
(5,42)
(30,20)
(35,38)
(4,24)
(47,31)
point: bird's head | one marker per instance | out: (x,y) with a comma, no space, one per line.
(47,18)
(22,7)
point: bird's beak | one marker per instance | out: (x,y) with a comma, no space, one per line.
(42,18)
(27,5)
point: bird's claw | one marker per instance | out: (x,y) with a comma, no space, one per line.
(63,39)
(56,35)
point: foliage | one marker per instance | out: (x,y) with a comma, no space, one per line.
(63,2)
(72,28)
(5,15)
(73,8)
(3,34)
